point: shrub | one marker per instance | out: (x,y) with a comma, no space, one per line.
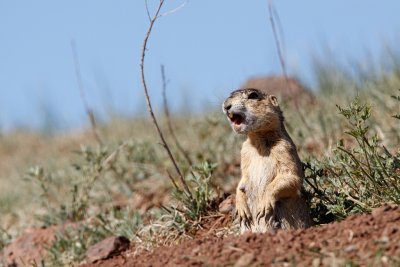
(197,203)
(360,175)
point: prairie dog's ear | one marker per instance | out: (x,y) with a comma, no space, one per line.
(273,100)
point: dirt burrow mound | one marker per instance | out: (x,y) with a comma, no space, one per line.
(362,239)
(288,90)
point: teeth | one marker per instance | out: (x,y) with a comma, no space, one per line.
(230,115)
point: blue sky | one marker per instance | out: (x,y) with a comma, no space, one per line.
(208,48)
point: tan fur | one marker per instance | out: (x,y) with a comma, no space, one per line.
(269,193)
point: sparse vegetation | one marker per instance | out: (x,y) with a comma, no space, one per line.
(71,243)
(356,178)
(126,183)
(199,200)
(5,238)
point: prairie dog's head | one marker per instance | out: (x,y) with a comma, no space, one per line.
(252,111)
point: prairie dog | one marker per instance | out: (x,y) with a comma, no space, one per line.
(268,195)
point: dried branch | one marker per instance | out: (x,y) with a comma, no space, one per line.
(276,37)
(149,106)
(168,118)
(174,10)
(274,14)
(147,10)
(88,110)
(173,181)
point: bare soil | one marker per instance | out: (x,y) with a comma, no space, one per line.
(365,240)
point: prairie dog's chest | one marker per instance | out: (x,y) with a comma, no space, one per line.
(259,168)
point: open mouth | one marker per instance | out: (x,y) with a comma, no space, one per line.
(236,118)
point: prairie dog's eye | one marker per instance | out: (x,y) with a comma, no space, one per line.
(253,95)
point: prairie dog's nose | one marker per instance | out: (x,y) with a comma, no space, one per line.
(227,107)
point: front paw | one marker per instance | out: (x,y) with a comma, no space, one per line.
(243,213)
(266,209)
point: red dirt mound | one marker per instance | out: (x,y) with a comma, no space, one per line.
(290,90)
(30,248)
(362,239)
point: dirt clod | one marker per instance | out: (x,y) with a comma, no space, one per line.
(107,248)
(228,205)
(245,260)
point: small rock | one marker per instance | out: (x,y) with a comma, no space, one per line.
(228,205)
(384,239)
(245,260)
(196,251)
(385,259)
(350,248)
(107,248)
(333,261)
(316,262)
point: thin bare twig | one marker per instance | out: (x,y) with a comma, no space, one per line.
(168,118)
(273,13)
(88,110)
(147,10)
(173,181)
(149,106)
(173,10)
(276,37)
